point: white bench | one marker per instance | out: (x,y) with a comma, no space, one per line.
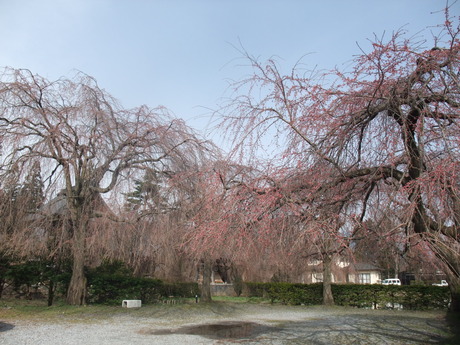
(131,303)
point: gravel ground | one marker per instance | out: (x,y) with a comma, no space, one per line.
(229,324)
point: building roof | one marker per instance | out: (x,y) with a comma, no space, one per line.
(57,207)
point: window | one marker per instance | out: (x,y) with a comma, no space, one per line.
(364,278)
(317,278)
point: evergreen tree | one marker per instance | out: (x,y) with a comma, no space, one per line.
(32,190)
(9,202)
(134,199)
(147,194)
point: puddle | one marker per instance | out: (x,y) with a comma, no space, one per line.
(359,329)
(5,327)
(222,330)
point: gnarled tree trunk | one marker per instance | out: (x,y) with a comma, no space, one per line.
(76,294)
(206,285)
(454,286)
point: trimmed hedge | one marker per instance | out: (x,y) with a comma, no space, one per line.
(113,289)
(287,293)
(111,283)
(413,297)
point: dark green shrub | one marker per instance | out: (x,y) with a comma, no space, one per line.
(4,268)
(412,297)
(60,276)
(363,296)
(423,297)
(113,282)
(356,295)
(24,274)
(255,289)
(35,279)
(283,292)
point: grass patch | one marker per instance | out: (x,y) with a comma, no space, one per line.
(39,311)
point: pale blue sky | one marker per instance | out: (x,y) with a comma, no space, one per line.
(181,54)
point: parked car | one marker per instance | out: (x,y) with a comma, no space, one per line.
(443,283)
(391,281)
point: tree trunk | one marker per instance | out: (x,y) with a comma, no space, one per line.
(206,285)
(50,293)
(76,294)
(450,257)
(328,298)
(454,286)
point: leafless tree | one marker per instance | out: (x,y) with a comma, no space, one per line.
(87,145)
(385,130)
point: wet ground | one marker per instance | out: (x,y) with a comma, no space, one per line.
(352,329)
(232,324)
(222,330)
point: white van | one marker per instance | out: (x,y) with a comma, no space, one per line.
(391,281)
(443,283)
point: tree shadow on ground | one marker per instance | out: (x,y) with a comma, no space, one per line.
(453,322)
(344,329)
(370,329)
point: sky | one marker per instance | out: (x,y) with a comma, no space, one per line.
(184,54)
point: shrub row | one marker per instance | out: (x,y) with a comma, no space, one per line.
(111,283)
(413,297)
(112,289)
(34,278)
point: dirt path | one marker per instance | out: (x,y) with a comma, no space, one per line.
(229,324)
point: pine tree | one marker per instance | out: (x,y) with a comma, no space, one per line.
(9,201)
(134,199)
(32,190)
(147,193)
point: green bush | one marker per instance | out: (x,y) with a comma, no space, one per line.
(45,276)
(112,282)
(252,289)
(295,294)
(423,297)
(25,274)
(361,296)
(413,297)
